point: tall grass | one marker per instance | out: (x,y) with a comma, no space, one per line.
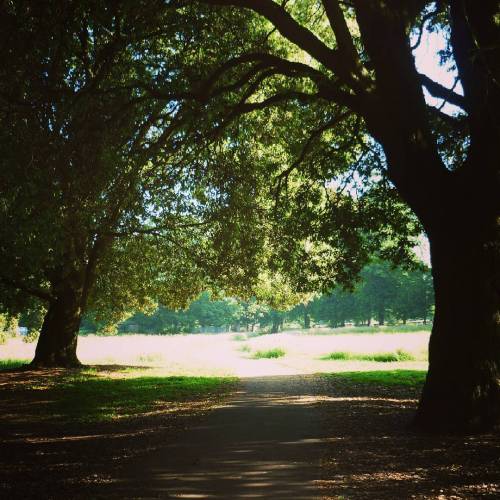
(239,337)
(408,378)
(9,364)
(372,329)
(382,357)
(277,352)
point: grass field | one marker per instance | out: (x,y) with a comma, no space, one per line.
(134,375)
(216,355)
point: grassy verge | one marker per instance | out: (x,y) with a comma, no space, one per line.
(382,357)
(90,398)
(91,395)
(277,352)
(407,378)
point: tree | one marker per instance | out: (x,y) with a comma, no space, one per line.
(413,295)
(101,205)
(378,291)
(348,68)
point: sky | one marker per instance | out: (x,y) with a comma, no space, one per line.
(427,62)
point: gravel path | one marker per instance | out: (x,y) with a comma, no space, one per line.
(265,442)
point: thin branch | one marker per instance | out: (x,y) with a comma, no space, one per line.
(426,18)
(315,134)
(157,230)
(248,107)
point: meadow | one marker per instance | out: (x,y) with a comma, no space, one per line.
(246,355)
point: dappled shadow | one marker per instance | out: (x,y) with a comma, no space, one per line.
(267,441)
(372,452)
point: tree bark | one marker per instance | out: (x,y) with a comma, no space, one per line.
(56,346)
(462,389)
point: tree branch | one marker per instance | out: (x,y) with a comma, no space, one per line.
(156,230)
(438,90)
(295,33)
(315,134)
(342,33)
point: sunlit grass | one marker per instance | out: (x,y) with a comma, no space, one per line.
(277,352)
(409,378)
(9,364)
(376,329)
(382,357)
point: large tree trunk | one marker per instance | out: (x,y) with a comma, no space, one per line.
(59,334)
(71,287)
(462,390)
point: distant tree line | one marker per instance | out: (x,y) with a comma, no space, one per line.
(383,294)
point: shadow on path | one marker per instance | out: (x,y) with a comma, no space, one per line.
(263,443)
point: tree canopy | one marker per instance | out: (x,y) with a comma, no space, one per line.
(105,201)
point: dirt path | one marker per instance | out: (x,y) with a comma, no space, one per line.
(266,442)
